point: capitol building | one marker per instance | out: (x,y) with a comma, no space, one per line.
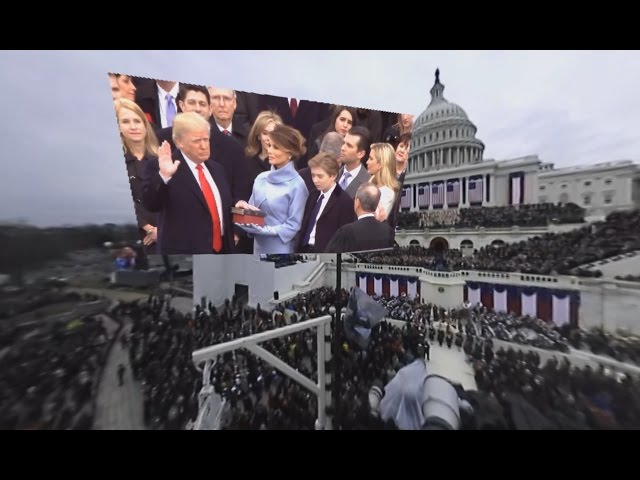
(447,170)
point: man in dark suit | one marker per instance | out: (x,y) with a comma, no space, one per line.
(353,154)
(367,233)
(223,107)
(247,109)
(190,195)
(224,149)
(158,100)
(327,208)
(299,114)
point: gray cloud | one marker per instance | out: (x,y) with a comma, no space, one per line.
(63,163)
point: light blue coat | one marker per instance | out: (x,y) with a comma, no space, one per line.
(282,195)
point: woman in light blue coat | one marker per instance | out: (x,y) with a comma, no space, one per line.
(280,193)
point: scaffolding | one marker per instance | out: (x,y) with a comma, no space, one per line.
(322,389)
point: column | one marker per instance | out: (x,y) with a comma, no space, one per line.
(466,192)
(444,202)
(486,183)
(492,190)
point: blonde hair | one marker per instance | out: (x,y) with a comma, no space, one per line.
(150,141)
(187,122)
(386,176)
(254,145)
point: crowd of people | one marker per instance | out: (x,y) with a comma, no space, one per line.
(514,390)
(160,343)
(416,256)
(567,253)
(629,278)
(259,397)
(50,373)
(526,395)
(464,324)
(162,340)
(65,359)
(527,215)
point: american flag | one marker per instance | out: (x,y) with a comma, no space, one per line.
(437,194)
(423,195)
(475,190)
(453,193)
(405,200)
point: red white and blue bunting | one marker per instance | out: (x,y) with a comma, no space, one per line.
(557,306)
(388,285)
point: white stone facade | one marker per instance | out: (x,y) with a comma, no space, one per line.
(600,188)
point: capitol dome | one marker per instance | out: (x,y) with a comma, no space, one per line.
(440,110)
(443,135)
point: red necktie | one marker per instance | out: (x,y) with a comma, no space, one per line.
(213,209)
(294,107)
(227,133)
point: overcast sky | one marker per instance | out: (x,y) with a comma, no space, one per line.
(62,157)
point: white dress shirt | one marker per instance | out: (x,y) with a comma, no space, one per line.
(222,129)
(162,95)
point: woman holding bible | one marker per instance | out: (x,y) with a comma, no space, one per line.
(279,193)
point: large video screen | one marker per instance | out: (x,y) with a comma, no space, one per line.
(218,171)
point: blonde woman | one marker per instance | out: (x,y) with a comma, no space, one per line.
(381,165)
(140,145)
(395,131)
(257,147)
